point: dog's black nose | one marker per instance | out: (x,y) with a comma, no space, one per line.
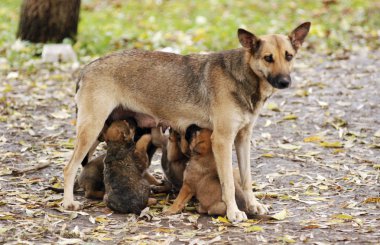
(280,81)
(284,82)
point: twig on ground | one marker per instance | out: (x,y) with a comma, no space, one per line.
(29,169)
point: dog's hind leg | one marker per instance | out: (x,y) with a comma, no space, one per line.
(91,118)
(243,145)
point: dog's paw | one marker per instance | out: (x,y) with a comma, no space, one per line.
(72,205)
(257,208)
(235,215)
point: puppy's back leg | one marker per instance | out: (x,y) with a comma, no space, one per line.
(218,208)
(184,195)
(91,117)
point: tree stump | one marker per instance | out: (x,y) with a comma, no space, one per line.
(43,21)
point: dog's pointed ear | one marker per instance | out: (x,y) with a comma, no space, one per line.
(248,40)
(298,35)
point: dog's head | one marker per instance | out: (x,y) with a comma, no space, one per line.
(120,131)
(272,55)
(200,142)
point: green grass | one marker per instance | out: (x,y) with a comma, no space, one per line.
(194,26)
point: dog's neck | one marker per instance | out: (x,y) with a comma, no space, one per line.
(252,91)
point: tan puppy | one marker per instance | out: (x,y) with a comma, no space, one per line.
(201,180)
(126,190)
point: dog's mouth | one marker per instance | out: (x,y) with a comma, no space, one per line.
(280,81)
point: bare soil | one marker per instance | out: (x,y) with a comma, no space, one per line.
(315,161)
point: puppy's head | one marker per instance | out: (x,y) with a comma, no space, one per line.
(120,131)
(200,143)
(271,56)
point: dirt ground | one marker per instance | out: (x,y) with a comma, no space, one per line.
(315,161)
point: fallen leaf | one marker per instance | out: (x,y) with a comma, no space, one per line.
(372,199)
(377,133)
(254,228)
(343,216)
(269,155)
(314,138)
(286,239)
(60,115)
(290,117)
(280,215)
(335,144)
(289,146)
(273,106)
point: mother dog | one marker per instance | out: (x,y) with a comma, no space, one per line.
(222,91)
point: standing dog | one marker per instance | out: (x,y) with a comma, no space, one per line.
(222,91)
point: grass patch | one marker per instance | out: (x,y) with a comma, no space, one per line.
(194,26)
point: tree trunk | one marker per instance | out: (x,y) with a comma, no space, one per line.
(48,20)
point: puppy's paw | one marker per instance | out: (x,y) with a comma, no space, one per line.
(257,208)
(235,215)
(172,210)
(152,201)
(71,205)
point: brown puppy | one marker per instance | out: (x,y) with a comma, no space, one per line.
(124,165)
(201,180)
(173,161)
(91,178)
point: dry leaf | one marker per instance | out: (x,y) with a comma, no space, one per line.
(280,215)
(335,144)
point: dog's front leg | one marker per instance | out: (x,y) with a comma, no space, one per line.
(243,151)
(222,141)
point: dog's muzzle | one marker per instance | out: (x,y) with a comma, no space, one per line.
(280,81)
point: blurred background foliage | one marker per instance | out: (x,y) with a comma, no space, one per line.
(198,25)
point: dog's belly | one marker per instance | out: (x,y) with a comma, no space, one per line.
(142,120)
(146,121)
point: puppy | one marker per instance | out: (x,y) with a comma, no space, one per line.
(91,178)
(201,179)
(173,161)
(124,165)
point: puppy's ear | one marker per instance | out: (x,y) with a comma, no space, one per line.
(248,40)
(298,35)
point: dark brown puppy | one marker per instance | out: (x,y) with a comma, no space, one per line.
(124,165)
(201,180)
(91,178)
(173,161)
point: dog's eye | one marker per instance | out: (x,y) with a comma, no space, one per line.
(288,56)
(269,58)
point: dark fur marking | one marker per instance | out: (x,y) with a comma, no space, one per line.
(85,160)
